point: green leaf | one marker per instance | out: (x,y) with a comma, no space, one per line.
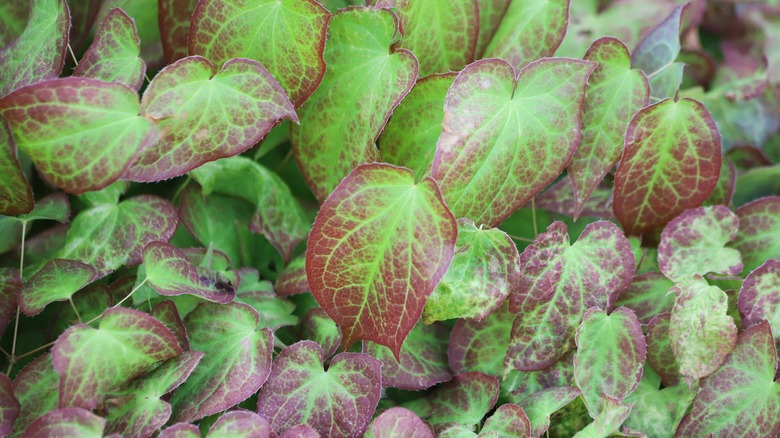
(54,207)
(396,422)
(92,362)
(742,397)
(10,289)
(81,133)
(109,195)
(665,171)
(36,389)
(647,296)
(484,270)
(559,198)
(759,227)
(727,182)
(481,345)
(613,414)
(166,312)
(405,237)
(363,83)
(13,17)
(759,297)
(88,303)
(507,420)
(519,385)
(58,280)
(174,18)
(542,404)
(285,36)
(144,13)
(193,86)
(463,401)
(701,333)
(491,12)
(504,140)
(67,422)
(658,412)
(656,53)
(318,327)
(293,280)
(615,92)
(16,195)
(9,406)
(529,30)
(694,244)
(610,353)
(274,311)
(39,52)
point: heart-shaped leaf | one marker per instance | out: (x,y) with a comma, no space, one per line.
(374,294)
(240,424)
(9,406)
(656,55)
(364,82)
(81,133)
(174,18)
(58,280)
(192,105)
(336,402)
(505,137)
(36,389)
(67,422)
(759,297)
(657,411)
(481,345)
(758,238)
(463,401)
(542,404)
(671,163)
(558,283)
(648,296)
(519,385)
(396,422)
(16,195)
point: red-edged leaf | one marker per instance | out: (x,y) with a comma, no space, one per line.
(559,198)
(36,389)
(519,385)
(660,355)
(318,327)
(181,430)
(175,17)
(658,412)
(67,422)
(293,280)
(671,163)
(648,296)
(507,420)
(656,55)
(396,422)
(300,431)
(240,424)
(405,239)
(166,313)
(609,420)
(759,297)
(58,280)
(10,287)
(481,346)
(727,184)
(463,401)
(16,195)
(758,238)
(9,406)
(542,404)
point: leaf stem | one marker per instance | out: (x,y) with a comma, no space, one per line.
(36,350)
(75,310)
(12,357)
(181,189)
(521,239)
(119,303)
(72,55)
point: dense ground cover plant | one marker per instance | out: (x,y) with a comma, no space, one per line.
(404,218)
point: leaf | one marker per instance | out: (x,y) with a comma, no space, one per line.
(742,396)
(108,195)
(660,355)
(166,313)
(144,12)
(701,333)
(16,195)
(409,139)
(88,303)
(9,406)
(396,225)
(240,424)
(81,133)
(558,283)
(463,401)
(481,345)
(174,17)
(274,311)
(14,18)
(92,362)
(396,422)
(495,126)
(647,296)
(54,207)
(10,288)
(666,171)
(285,36)
(655,411)
(293,280)
(694,244)
(318,327)
(363,83)
(759,227)
(542,404)
(236,363)
(656,53)
(278,215)
(336,402)
(181,430)
(529,30)
(110,236)
(39,52)
(614,93)
(507,420)
(519,385)
(727,184)
(559,198)
(613,414)
(36,389)
(484,270)
(759,297)
(491,12)
(67,422)
(610,353)
(301,430)
(58,280)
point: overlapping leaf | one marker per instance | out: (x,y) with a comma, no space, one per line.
(490,14)
(9,406)
(398,421)
(542,404)
(36,389)
(16,195)
(275,312)
(463,401)
(504,140)
(174,18)
(13,16)
(481,345)
(758,238)
(609,420)
(240,424)
(660,356)
(67,422)
(657,411)
(759,297)
(648,296)
(318,327)
(166,312)
(58,280)
(10,287)
(293,280)
(519,385)
(181,430)
(559,198)
(507,420)
(656,55)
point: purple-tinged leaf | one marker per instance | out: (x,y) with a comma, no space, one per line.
(16,195)
(39,52)
(559,282)
(658,412)
(491,12)
(144,13)
(174,18)
(701,333)
(36,389)
(748,157)
(364,82)
(656,53)
(615,92)
(9,406)
(518,385)
(559,198)
(694,242)
(742,398)
(465,400)
(542,404)
(759,297)
(727,184)
(611,416)
(336,402)
(240,424)
(87,304)
(285,36)
(529,30)
(660,356)
(647,296)
(13,20)
(372,292)
(495,125)
(318,327)
(665,171)
(507,420)
(92,362)
(193,86)
(113,55)
(293,280)
(81,133)
(82,17)
(758,238)
(58,280)
(75,422)
(481,345)
(396,422)
(10,287)
(237,360)
(110,236)
(483,272)
(180,430)
(274,311)
(54,207)
(166,313)
(423,360)
(300,431)
(610,353)
(108,195)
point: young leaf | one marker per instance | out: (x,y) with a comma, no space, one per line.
(399,239)
(647,296)
(175,17)
(364,82)
(463,401)
(742,397)
(655,411)
(58,280)
(81,133)
(336,402)
(67,422)
(92,362)
(757,239)
(236,363)
(529,30)
(109,195)
(9,406)
(491,12)
(660,355)
(506,139)
(240,424)
(285,36)
(54,207)
(36,389)
(396,422)
(759,297)
(542,404)
(16,195)
(484,270)
(558,283)
(318,327)
(665,171)
(193,86)
(615,92)
(656,53)
(88,303)
(481,345)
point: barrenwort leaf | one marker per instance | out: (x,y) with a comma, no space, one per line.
(238,424)
(67,422)
(758,238)
(463,401)
(16,195)
(759,297)
(9,406)
(318,327)
(647,296)
(481,345)
(396,422)
(36,389)
(656,55)
(660,356)
(542,404)
(656,411)
(174,18)
(58,280)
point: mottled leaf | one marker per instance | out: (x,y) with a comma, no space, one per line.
(87,304)
(274,311)
(542,404)
(301,430)
(108,195)
(364,82)
(293,280)
(660,356)
(16,195)
(507,420)
(656,53)
(36,389)
(609,420)
(181,430)
(13,17)
(518,385)
(9,406)
(559,198)
(10,287)
(727,184)
(318,327)
(54,207)
(759,297)
(396,422)
(666,171)
(240,424)
(336,402)
(175,17)
(58,280)
(166,313)
(558,283)
(481,345)
(491,12)
(658,412)
(463,401)
(648,296)
(506,139)
(67,422)
(367,237)
(758,238)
